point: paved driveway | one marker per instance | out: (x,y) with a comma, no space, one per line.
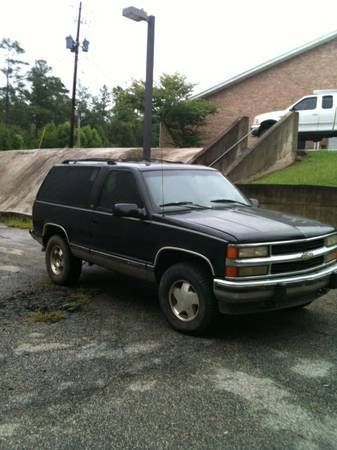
(113,374)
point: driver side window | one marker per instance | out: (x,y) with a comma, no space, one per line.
(119,187)
(306,104)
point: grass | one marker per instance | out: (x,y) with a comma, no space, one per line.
(49,316)
(62,305)
(76,300)
(316,168)
(24,223)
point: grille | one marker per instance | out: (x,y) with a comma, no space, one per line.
(296,265)
(297,247)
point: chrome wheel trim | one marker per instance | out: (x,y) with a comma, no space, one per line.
(184,301)
(56,260)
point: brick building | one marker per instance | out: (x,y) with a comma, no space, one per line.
(273,85)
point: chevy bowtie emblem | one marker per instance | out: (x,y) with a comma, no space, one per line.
(307,255)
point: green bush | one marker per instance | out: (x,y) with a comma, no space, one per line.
(10,139)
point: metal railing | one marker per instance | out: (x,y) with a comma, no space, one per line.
(230,148)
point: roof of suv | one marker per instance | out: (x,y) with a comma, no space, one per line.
(139,165)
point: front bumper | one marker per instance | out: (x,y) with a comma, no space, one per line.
(240,297)
(255,129)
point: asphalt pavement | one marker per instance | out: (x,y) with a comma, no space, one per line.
(113,375)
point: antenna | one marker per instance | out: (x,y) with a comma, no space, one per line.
(162,182)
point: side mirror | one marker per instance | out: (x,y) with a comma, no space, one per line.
(254,202)
(128,210)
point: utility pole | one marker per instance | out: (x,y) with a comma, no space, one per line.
(73,97)
(74,47)
(78,116)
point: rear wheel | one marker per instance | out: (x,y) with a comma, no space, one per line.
(62,266)
(301,143)
(186,298)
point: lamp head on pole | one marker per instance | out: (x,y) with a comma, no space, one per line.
(135,14)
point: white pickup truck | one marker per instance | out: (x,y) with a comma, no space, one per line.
(317,116)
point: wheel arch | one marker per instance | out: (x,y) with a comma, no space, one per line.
(265,125)
(168,256)
(50,229)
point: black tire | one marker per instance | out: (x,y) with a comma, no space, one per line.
(265,127)
(62,266)
(301,143)
(201,309)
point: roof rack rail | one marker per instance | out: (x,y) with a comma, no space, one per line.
(74,161)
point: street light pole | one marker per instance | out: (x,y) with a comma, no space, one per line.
(73,97)
(148,90)
(140,15)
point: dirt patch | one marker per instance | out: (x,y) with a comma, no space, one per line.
(45,303)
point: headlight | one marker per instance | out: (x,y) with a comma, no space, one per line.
(252,271)
(253,252)
(330,257)
(234,252)
(331,240)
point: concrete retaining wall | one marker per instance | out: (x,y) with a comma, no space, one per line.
(314,202)
(275,150)
(225,141)
(22,171)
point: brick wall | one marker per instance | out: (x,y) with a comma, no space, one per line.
(275,88)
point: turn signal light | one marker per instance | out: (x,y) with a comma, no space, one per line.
(232,252)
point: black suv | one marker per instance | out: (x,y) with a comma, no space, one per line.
(187,229)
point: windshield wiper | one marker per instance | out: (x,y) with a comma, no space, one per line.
(227,200)
(188,204)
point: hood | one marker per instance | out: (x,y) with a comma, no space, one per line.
(248,224)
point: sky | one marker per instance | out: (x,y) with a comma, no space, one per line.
(207,41)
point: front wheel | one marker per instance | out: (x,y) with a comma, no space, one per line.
(186,298)
(62,266)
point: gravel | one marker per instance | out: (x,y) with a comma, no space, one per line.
(113,374)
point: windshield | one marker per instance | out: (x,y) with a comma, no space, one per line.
(191,188)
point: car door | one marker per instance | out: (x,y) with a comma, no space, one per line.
(308,114)
(110,232)
(327,113)
(124,244)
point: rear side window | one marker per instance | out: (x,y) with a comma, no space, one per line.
(327,101)
(306,104)
(69,185)
(119,187)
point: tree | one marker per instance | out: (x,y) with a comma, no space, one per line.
(48,97)
(126,126)
(14,87)
(172,106)
(9,138)
(181,115)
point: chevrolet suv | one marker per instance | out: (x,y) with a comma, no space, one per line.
(187,229)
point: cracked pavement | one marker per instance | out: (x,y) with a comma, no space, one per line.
(114,375)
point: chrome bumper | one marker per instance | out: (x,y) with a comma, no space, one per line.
(237,297)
